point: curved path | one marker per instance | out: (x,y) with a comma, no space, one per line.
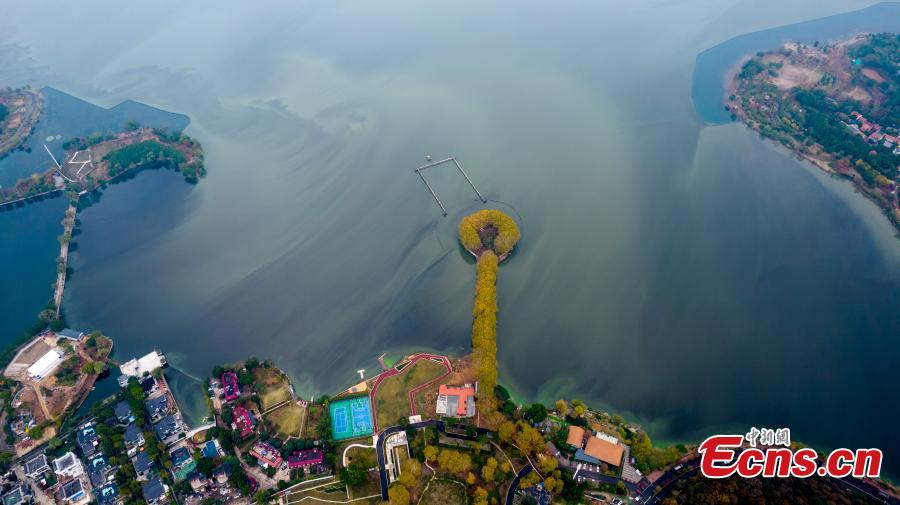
(379,448)
(514,485)
(344,455)
(437,358)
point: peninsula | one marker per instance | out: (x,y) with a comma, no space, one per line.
(836,105)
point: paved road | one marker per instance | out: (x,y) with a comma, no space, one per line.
(379,448)
(514,486)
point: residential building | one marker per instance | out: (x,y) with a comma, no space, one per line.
(68,465)
(37,466)
(305,458)
(134,438)
(154,491)
(17,495)
(97,469)
(456,401)
(183,463)
(157,407)
(73,491)
(107,495)
(180,456)
(231,388)
(143,466)
(88,440)
(167,427)
(243,421)
(142,366)
(123,413)
(268,456)
(198,482)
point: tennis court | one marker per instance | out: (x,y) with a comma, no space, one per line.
(350,418)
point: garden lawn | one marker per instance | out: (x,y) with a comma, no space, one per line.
(392,399)
(288,420)
(272,387)
(445,492)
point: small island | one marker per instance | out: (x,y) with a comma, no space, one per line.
(93,161)
(836,105)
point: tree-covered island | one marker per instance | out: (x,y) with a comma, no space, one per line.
(836,105)
(97,159)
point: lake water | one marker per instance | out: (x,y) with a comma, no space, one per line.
(690,277)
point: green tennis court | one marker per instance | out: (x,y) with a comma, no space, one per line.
(350,418)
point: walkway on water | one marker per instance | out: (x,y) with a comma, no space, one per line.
(63,260)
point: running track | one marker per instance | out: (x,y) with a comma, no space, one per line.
(437,358)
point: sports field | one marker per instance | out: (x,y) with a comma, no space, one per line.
(350,418)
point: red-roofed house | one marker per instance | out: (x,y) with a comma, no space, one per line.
(230,386)
(243,421)
(267,455)
(456,401)
(305,458)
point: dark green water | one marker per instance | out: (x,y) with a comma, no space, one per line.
(692,277)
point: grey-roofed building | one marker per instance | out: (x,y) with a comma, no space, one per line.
(123,413)
(154,491)
(167,427)
(16,495)
(107,495)
(157,407)
(134,437)
(36,466)
(180,456)
(72,491)
(97,469)
(88,440)
(143,466)
(70,334)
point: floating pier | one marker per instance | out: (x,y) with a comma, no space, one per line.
(461,171)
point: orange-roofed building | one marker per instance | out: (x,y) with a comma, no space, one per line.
(576,436)
(604,451)
(456,401)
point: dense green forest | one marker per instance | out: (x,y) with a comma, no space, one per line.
(140,154)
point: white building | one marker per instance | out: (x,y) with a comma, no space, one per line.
(68,465)
(45,365)
(138,367)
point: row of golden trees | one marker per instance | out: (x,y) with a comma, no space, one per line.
(484,332)
(507,230)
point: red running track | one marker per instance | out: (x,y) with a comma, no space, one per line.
(393,371)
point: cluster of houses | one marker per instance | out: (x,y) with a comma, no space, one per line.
(85,474)
(270,457)
(873,132)
(226,389)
